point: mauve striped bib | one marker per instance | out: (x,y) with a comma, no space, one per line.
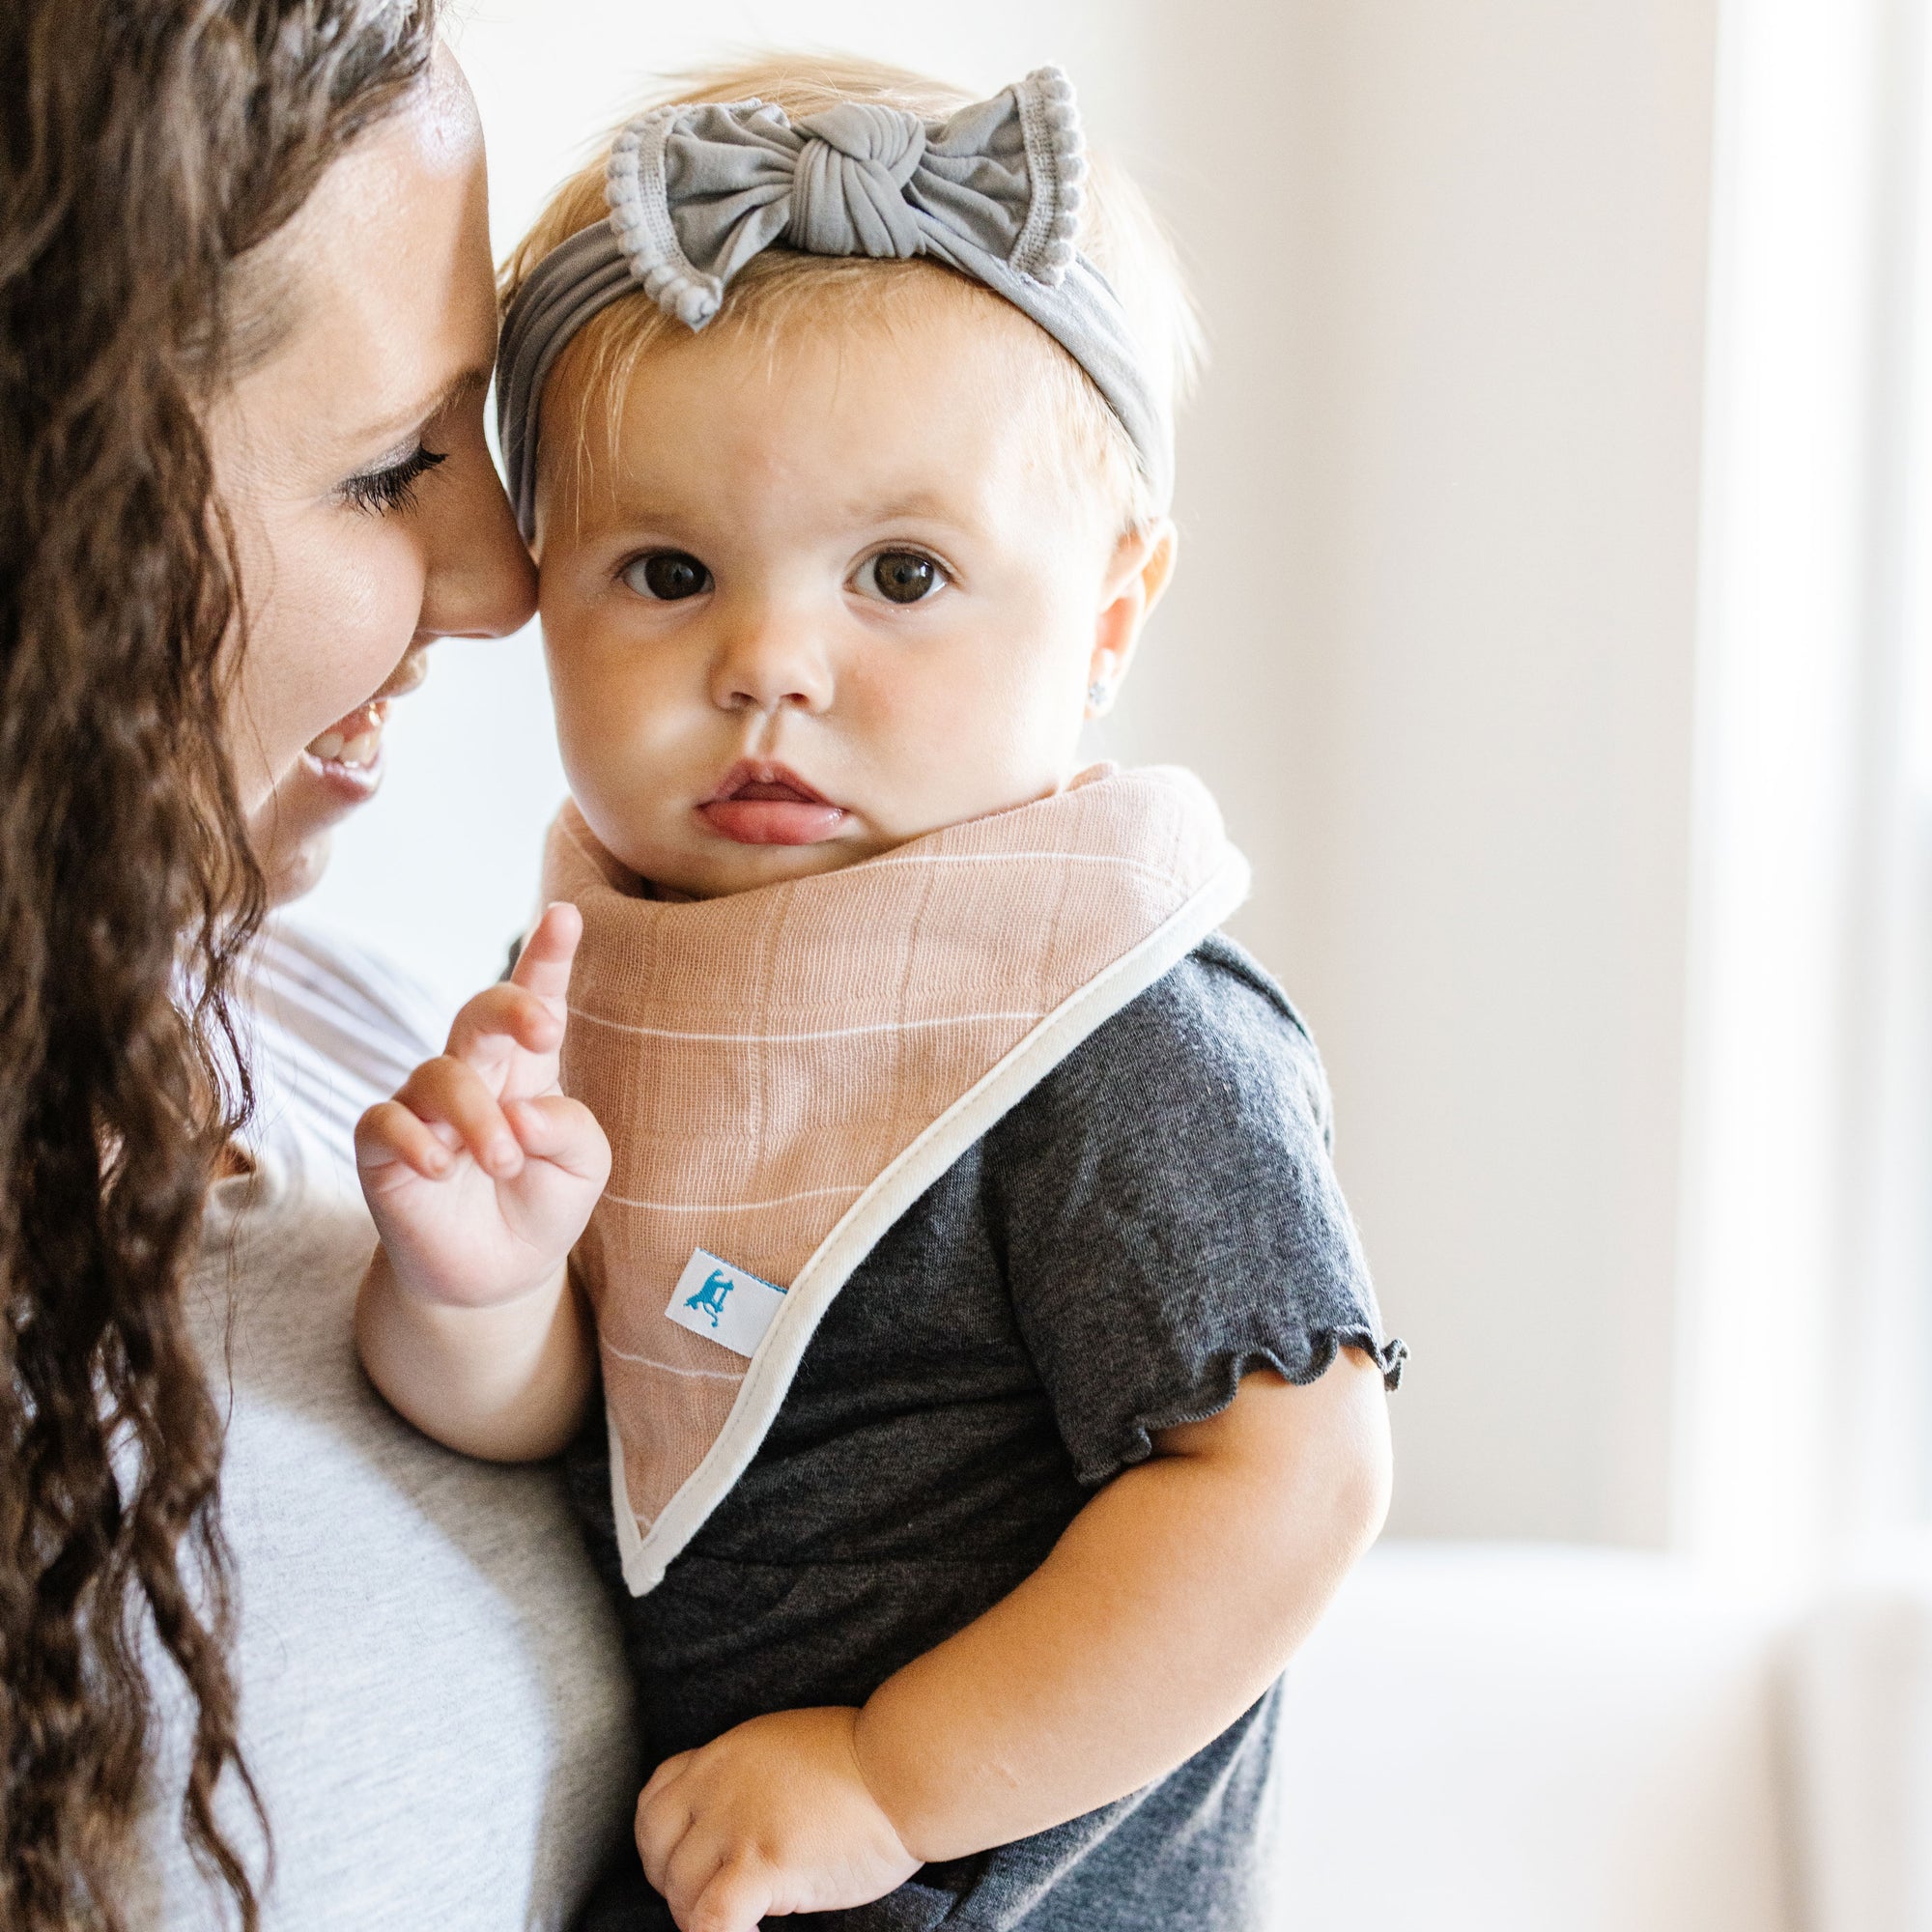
(781,1072)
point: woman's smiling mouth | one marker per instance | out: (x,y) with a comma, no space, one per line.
(348,755)
(759,803)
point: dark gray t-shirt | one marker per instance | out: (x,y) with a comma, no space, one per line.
(1154,1218)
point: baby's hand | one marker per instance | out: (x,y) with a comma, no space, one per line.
(480,1173)
(774,1817)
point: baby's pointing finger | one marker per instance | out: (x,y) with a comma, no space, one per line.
(445,1092)
(543,966)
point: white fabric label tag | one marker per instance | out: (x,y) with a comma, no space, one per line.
(723,1303)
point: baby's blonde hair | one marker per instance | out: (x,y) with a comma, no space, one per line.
(782,288)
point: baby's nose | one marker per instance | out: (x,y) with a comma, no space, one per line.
(772,668)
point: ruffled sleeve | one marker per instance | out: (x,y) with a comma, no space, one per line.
(1172,1219)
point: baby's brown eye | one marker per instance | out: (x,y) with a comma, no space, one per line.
(904,576)
(668,575)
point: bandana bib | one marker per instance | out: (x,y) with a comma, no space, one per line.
(783,1072)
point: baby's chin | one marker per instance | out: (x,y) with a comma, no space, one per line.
(713,867)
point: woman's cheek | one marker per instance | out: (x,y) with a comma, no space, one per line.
(375,589)
(353,610)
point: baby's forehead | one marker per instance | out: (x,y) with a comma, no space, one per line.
(868,316)
(913,392)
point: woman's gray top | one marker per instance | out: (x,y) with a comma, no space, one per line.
(1155,1218)
(433,1700)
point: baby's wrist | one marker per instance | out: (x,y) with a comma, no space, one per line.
(425,1289)
(887,1767)
(506,1381)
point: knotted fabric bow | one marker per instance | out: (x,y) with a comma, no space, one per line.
(696,191)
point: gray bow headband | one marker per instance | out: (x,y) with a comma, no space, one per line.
(696,191)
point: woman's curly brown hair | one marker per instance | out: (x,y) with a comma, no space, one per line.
(145,149)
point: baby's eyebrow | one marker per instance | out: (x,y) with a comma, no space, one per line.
(657,512)
(617,506)
(915,504)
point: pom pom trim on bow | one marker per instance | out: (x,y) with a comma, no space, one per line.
(1056,147)
(644,203)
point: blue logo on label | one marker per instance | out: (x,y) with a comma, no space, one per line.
(710,1298)
(724,1304)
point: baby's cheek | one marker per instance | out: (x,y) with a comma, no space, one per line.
(625,755)
(989,735)
(605,742)
(588,715)
(597,687)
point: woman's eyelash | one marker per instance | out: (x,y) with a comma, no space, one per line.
(379,492)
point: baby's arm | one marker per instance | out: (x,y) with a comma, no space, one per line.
(1171,1603)
(481,1175)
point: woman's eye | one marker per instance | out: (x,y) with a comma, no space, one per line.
(379,492)
(668,575)
(903,576)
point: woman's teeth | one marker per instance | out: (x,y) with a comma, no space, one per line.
(355,747)
(333,748)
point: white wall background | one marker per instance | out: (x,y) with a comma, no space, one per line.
(1431,639)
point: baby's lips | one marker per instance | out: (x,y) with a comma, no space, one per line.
(765,779)
(773,821)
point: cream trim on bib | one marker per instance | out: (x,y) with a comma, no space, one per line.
(646,1558)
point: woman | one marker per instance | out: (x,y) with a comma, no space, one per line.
(246,321)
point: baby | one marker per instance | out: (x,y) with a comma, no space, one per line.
(993,1389)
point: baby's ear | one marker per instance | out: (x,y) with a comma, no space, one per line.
(1139,572)
(1149,553)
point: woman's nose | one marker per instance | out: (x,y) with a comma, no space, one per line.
(769,662)
(480,582)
